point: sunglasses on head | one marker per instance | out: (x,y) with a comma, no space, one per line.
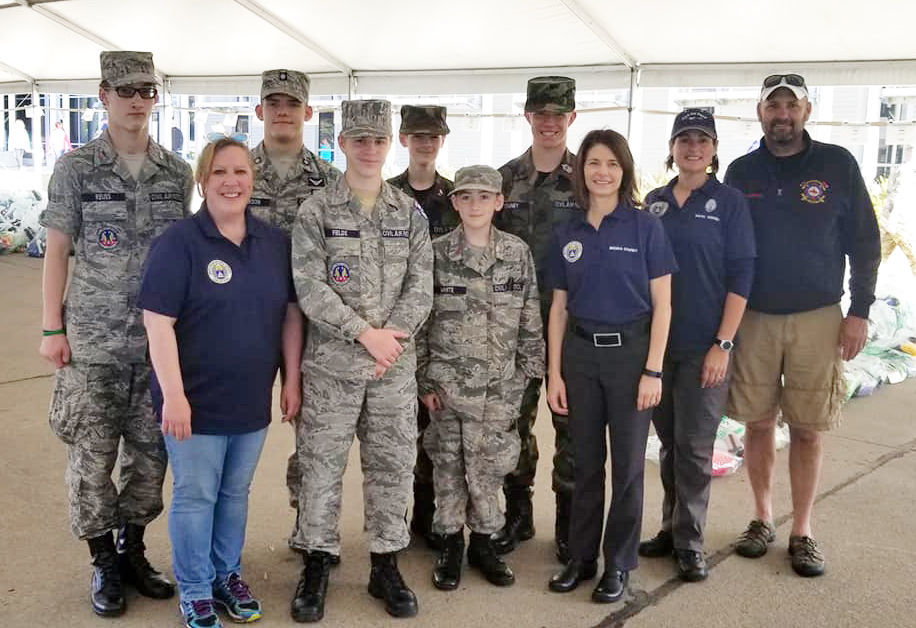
(794,80)
(215,136)
(128,91)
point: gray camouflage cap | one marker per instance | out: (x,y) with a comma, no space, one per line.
(428,119)
(551,94)
(366,118)
(482,178)
(289,82)
(126,67)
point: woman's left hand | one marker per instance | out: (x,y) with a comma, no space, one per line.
(715,366)
(290,398)
(650,392)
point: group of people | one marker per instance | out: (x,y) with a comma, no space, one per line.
(423,316)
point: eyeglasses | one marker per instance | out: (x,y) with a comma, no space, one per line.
(128,91)
(216,136)
(794,80)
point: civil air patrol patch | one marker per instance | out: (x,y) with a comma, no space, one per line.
(572,251)
(219,271)
(814,191)
(340,273)
(658,208)
(711,205)
(108,238)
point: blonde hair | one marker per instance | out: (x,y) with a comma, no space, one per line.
(205,161)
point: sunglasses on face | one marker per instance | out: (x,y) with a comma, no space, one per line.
(215,136)
(127,91)
(790,79)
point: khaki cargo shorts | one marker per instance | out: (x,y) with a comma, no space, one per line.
(792,363)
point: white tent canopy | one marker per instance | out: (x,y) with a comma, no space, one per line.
(473,46)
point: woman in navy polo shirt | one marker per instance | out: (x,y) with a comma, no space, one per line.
(221,317)
(610,269)
(710,229)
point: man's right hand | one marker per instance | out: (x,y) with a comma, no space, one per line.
(55,349)
(383,345)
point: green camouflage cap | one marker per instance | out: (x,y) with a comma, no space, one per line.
(366,118)
(553,94)
(289,82)
(482,178)
(126,67)
(427,119)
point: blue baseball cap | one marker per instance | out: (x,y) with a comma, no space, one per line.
(694,120)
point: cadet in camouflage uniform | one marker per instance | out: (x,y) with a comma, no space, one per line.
(107,201)
(422,133)
(538,186)
(286,172)
(362,265)
(481,345)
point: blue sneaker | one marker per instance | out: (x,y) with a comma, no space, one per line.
(235,597)
(199,614)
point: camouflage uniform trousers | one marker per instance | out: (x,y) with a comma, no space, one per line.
(382,414)
(471,456)
(98,410)
(522,477)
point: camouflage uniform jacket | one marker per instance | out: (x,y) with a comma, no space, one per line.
(112,219)
(276,201)
(353,271)
(442,216)
(485,326)
(531,210)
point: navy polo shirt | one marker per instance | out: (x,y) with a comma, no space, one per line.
(810,211)
(713,241)
(606,272)
(230,303)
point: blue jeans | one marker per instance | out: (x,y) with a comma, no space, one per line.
(212,476)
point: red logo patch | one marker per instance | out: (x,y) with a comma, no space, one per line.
(814,191)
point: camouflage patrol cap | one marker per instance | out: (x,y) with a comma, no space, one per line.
(366,118)
(126,67)
(552,94)
(289,82)
(482,178)
(427,119)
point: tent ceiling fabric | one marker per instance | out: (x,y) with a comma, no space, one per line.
(416,46)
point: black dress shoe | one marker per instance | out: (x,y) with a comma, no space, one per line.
(611,587)
(573,573)
(691,566)
(662,544)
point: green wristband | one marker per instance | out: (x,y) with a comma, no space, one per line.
(53,332)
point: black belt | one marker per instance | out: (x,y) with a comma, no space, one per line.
(611,337)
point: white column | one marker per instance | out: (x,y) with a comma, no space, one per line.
(873,134)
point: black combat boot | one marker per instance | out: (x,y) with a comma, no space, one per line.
(447,573)
(561,529)
(135,569)
(482,556)
(421,522)
(386,583)
(105,591)
(308,603)
(519,520)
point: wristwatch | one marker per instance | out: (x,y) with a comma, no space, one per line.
(725,345)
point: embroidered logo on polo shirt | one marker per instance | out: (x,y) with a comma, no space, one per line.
(711,205)
(814,191)
(658,208)
(572,251)
(219,272)
(340,273)
(108,237)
